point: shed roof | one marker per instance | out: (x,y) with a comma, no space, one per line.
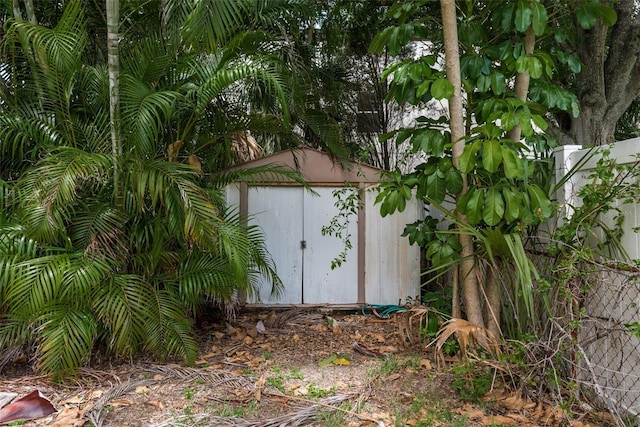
(317,167)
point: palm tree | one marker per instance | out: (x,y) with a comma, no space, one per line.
(80,268)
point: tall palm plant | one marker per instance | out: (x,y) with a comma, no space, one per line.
(80,269)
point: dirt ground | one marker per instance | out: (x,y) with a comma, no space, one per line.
(294,367)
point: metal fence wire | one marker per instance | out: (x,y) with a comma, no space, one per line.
(608,344)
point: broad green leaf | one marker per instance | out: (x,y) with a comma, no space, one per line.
(606,13)
(483,83)
(523,16)
(453,181)
(467,160)
(436,188)
(442,89)
(586,16)
(508,120)
(534,65)
(513,203)
(493,209)
(574,64)
(540,203)
(539,121)
(473,210)
(423,88)
(539,18)
(491,155)
(513,167)
(497,82)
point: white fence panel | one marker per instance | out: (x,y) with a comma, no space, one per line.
(611,364)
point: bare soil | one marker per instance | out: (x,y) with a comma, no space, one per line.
(268,368)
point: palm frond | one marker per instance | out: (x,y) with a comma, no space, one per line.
(37,282)
(97,231)
(470,336)
(22,137)
(203,275)
(207,24)
(144,114)
(168,331)
(65,339)
(122,305)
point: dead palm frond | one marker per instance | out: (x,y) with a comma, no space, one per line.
(415,323)
(471,337)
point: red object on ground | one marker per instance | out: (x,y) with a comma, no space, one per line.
(33,405)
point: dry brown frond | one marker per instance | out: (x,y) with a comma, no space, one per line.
(469,335)
(173,149)
(411,322)
(245,147)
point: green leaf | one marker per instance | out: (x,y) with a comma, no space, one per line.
(534,65)
(523,16)
(586,16)
(540,203)
(436,188)
(513,166)
(473,209)
(493,209)
(539,18)
(442,89)
(483,83)
(453,181)
(497,82)
(513,202)
(539,121)
(491,155)
(467,160)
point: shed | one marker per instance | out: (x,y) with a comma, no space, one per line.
(380,268)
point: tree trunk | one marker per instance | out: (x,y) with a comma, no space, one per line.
(17,13)
(113,20)
(610,79)
(471,294)
(31,15)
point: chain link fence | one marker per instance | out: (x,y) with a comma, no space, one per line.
(609,342)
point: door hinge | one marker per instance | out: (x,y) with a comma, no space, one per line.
(303,244)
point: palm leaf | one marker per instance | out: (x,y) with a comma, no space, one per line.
(66,338)
(168,331)
(144,113)
(471,337)
(122,307)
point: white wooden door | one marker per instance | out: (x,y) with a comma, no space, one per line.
(292,221)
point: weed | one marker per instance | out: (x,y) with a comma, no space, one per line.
(471,381)
(390,365)
(266,355)
(318,393)
(188,393)
(278,380)
(188,410)
(330,418)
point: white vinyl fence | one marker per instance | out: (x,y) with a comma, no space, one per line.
(610,365)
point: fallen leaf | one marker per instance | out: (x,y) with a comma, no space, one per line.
(341,361)
(426,364)
(74,400)
(142,389)
(33,405)
(158,377)
(116,403)
(393,377)
(497,420)
(155,403)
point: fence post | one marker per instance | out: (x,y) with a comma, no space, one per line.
(566,193)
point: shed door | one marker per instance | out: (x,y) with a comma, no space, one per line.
(292,221)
